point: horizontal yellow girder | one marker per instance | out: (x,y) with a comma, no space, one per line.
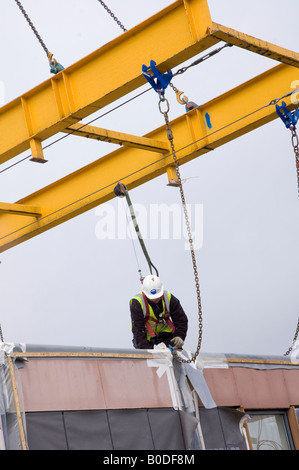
(120,138)
(19,209)
(252,44)
(170,37)
(230,115)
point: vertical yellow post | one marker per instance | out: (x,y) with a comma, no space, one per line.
(17,403)
(37,151)
(172,176)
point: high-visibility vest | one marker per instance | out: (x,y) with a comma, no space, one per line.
(153,325)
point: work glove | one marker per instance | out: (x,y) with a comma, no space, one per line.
(177,342)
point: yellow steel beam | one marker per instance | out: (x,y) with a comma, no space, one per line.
(231,115)
(170,37)
(20,209)
(252,44)
(120,138)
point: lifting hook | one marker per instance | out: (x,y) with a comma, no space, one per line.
(55,67)
(182,100)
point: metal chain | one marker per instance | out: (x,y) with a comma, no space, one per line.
(170,138)
(196,62)
(295,144)
(112,15)
(184,100)
(294,340)
(201,59)
(33,27)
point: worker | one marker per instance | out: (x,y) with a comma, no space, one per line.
(157,317)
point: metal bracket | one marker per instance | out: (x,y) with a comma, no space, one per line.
(289,118)
(156,79)
(55,67)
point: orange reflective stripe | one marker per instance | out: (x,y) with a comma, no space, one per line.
(147,316)
(149,329)
(170,324)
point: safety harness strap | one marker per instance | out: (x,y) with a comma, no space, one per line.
(146,312)
(155,320)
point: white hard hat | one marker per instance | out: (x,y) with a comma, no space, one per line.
(152,287)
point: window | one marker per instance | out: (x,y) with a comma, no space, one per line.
(269,431)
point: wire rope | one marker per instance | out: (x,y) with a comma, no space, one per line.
(76,130)
(178,72)
(271,103)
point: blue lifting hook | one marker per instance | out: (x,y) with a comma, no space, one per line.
(55,67)
(156,79)
(289,118)
(159,83)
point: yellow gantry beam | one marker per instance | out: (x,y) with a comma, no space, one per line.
(252,44)
(120,138)
(170,37)
(201,130)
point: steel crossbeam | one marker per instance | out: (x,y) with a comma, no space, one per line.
(231,115)
(170,37)
(184,29)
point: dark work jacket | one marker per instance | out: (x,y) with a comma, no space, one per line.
(177,316)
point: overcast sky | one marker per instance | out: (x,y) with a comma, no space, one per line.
(69,286)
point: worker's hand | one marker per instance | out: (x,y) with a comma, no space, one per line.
(177,342)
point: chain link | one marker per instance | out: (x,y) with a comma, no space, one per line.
(33,27)
(295,144)
(184,100)
(196,277)
(202,59)
(294,340)
(112,15)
